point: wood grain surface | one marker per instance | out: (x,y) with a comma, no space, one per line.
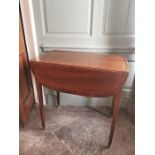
(86,74)
(85,59)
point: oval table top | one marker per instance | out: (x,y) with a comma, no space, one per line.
(98,61)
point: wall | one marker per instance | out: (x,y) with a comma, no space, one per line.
(91,25)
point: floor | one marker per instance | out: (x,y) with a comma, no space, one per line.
(76,131)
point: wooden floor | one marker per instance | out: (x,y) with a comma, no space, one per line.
(76,131)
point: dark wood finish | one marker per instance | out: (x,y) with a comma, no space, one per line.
(26,97)
(41,106)
(116,105)
(112,105)
(58,98)
(87,74)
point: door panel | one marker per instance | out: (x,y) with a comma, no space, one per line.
(26,96)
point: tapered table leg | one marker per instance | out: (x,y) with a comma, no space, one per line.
(112,106)
(58,98)
(41,106)
(116,105)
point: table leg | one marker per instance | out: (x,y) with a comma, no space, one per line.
(116,105)
(58,98)
(41,106)
(112,106)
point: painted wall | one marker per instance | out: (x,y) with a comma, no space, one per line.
(89,25)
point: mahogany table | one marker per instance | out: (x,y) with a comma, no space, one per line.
(81,73)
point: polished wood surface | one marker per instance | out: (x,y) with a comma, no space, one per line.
(85,60)
(87,74)
(26,97)
(64,75)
